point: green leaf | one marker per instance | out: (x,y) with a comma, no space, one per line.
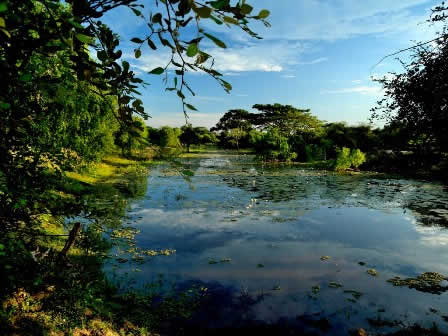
(75,24)
(203,12)
(180,94)
(187,173)
(6,32)
(136,40)
(102,55)
(217,41)
(2,23)
(217,21)
(157,71)
(3,6)
(157,18)
(219,4)
(136,12)
(4,106)
(231,20)
(84,38)
(151,44)
(138,53)
(227,85)
(246,9)
(191,107)
(26,78)
(264,13)
(192,50)
(2,247)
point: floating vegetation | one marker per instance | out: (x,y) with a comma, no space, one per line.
(315,289)
(361,263)
(226,260)
(354,293)
(260,266)
(128,233)
(153,253)
(212,262)
(333,284)
(276,288)
(325,258)
(372,272)
(429,282)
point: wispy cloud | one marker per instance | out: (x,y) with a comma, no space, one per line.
(363,90)
(316,61)
(261,57)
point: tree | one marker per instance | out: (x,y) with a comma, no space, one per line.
(357,158)
(417,99)
(37,33)
(287,119)
(189,136)
(237,118)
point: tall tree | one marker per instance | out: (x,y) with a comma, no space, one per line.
(417,99)
(286,118)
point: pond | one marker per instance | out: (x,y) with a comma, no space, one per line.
(279,242)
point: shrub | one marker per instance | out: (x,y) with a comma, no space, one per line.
(343,159)
(347,158)
(357,158)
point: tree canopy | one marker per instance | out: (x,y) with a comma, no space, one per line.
(417,99)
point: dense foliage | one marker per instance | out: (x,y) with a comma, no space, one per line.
(416,100)
(69,99)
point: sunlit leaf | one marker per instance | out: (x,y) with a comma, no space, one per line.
(217,41)
(84,38)
(192,50)
(264,13)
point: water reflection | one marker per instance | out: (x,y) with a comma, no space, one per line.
(284,219)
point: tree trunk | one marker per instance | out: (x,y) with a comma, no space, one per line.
(71,239)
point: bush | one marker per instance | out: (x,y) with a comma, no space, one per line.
(347,158)
(357,158)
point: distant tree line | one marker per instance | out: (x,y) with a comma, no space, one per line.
(285,133)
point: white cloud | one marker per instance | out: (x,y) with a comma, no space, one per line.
(262,57)
(316,61)
(363,90)
(357,81)
(288,76)
(387,76)
(339,19)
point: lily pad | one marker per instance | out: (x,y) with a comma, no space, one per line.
(276,288)
(325,258)
(212,262)
(429,282)
(226,260)
(315,289)
(333,284)
(260,266)
(354,293)
(372,272)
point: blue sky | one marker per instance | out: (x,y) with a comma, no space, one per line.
(318,54)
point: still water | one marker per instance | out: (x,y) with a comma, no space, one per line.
(282,242)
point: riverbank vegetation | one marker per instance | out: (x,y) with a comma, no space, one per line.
(76,149)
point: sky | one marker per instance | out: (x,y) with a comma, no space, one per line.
(318,54)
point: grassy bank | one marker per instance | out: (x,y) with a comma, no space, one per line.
(48,292)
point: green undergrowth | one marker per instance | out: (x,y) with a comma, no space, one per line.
(45,292)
